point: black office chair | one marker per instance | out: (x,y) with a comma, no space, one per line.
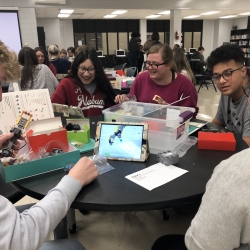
(120,66)
(117,91)
(201,76)
(131,71)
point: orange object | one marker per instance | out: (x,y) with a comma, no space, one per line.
(57,139)
(120,72)
(216,141)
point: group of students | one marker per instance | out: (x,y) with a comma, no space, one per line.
(222,221)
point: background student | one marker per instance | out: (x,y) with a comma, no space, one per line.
(33,74)
(62,65)
(43,58)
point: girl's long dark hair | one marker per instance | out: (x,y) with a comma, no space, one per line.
(28,59)
(101,79)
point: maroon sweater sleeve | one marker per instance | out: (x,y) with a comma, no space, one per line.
(60,94)
(53,69)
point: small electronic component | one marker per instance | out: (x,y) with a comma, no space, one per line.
(168,158)
(21,123)
(158,99)
(74,127)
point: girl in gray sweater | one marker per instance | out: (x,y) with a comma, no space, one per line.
(33,74)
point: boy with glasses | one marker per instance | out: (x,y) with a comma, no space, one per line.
(230,76)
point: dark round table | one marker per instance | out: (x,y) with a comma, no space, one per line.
(113,192)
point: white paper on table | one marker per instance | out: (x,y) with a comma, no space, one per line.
(156,175)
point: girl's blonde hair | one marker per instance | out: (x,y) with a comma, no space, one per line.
(181,62)
(8,60)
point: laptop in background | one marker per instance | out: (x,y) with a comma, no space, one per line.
(100,53)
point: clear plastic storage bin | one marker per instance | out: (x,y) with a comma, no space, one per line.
(166,130)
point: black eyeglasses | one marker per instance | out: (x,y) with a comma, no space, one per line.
(83,70)
(153,65)
(227,74)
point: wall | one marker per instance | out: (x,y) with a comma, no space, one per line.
(241,23)
(207,37)
(52,31)
(27,21)
(222,31)
(66,31)
(225,27)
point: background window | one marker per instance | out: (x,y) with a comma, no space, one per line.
(91,40)
(197,39)
(123,40)
(188,40)
(112,43)
(79,39)
(102,42)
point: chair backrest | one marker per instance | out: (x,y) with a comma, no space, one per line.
(198,68)
(131,71)
(123,66)
(117,91)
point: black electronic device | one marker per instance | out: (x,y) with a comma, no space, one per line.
(22,122)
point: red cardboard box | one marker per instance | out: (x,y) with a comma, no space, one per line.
(216,141)
(40,133)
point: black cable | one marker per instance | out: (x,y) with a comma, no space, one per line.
(23,145)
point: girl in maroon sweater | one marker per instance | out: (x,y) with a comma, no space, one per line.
(86,86)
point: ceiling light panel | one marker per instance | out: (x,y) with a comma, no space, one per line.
(66,11)
(153,16)
(193,16)
(228,16)
(210,13)
(164,12)
(245,14)
(119,12)
(110,16)
(63,15)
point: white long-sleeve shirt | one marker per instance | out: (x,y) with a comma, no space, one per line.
(28,230)
(223,219)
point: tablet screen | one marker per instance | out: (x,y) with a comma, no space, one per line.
(121,141)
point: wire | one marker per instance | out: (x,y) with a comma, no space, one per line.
(23,145)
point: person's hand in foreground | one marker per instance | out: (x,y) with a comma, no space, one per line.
(84,171)
(4,140)
(121,98)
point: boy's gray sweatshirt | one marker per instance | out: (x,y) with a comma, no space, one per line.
(223,219)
